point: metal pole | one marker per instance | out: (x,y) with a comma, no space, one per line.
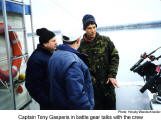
(32,29)
(25,32)
(8,53)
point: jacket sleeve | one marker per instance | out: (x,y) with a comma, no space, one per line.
(78,98)
(114,60)
(34,85)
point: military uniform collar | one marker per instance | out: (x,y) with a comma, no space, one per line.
(87,39)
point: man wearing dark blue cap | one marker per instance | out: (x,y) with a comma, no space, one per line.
(103,64)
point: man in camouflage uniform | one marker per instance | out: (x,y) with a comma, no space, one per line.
(103,61)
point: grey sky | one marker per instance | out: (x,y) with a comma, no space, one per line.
(59,14)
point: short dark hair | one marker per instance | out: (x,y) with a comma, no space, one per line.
(67,42)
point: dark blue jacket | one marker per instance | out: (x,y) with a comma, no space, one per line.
(71,86)
(37,82)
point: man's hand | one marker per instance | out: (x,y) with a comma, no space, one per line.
(113,81)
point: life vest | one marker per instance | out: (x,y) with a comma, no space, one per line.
(16,49)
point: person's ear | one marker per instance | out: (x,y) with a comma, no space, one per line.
(78,40)
(45,44)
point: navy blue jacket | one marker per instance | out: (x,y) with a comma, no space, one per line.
(70,82)
(37,82)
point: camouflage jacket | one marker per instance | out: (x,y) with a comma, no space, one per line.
(103,57)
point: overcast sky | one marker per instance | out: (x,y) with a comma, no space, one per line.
(68,14)
(60,14)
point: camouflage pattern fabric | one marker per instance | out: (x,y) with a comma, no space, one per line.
(103,63)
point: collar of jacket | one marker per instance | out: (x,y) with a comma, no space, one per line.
(83,57)
(67,48)
(42,48)
(87,39)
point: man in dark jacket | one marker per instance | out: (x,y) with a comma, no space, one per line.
(103,63)
(37,82)
(71,86)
